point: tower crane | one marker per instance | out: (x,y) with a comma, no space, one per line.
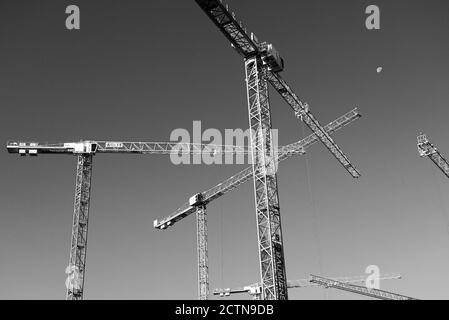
(427,149)
(262,66)
(85,150)
(198,203)
(255,289)
(373,293)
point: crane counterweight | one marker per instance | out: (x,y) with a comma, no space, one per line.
(272,58)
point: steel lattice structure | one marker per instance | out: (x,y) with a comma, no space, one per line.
(110,147)
(262,65)
(204,198)
(255,289)
(78,246)
(85,150)
(248,47)
(269,231)
(285,152)
(302,111)
(427,149)
(203,265)
(373,293)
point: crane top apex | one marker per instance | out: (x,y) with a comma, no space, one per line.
(246,44)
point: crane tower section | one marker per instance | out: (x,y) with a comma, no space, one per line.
(78,245)
(271,250)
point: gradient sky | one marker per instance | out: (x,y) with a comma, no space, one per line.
(139,69)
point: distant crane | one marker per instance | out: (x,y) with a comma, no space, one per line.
(255,289)
(85,150)
(199,202)
(427,149)
(262,66)
(373,293)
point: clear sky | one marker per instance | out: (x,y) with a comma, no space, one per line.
(138,69)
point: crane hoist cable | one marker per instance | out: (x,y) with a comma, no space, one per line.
(315,218)
(443,211)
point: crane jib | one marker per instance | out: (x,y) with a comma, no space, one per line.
(233,30)
(243,176)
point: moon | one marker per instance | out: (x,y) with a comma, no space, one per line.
(379,69)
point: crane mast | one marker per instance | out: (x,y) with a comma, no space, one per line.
(427,149)
(202,252)
(270,242)
(262,65)
(373,293)
(78,246)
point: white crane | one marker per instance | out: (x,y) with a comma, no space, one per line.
(85,150)
(255,289)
